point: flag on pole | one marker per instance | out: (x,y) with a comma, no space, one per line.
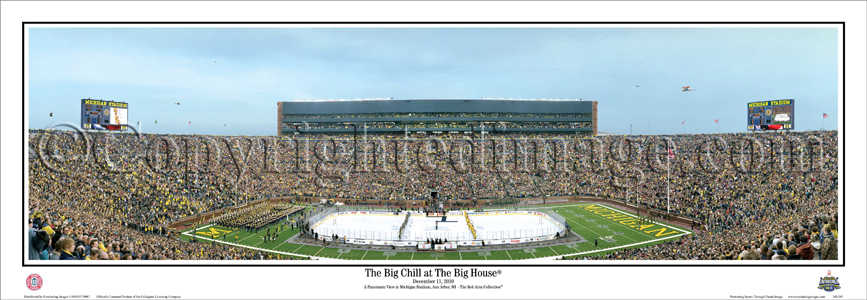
(684,122)
(670,154)
(52,114)
(825,115)
(155,121)
(190,123)
(716,120)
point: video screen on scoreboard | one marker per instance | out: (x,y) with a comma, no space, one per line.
(104,115)
(771,115)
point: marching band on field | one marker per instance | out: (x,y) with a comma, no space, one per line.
(256,217)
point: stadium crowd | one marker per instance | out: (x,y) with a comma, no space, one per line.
(130,188)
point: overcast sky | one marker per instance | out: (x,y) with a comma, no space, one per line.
(237,76)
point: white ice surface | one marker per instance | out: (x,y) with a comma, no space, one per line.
(378,227)
(387,226)
(422,228)
(512,226)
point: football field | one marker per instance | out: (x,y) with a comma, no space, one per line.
(612,228)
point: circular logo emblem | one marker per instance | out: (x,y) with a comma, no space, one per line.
(767,112)
(34,282)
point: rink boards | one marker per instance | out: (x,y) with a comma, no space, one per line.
(491,227)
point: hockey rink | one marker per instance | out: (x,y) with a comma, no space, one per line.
(370,226)
(508,226)
(386,227)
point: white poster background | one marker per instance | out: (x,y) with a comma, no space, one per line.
(604,281)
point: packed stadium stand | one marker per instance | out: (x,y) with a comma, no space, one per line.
(119,204)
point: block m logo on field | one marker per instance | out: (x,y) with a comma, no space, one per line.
(213,232)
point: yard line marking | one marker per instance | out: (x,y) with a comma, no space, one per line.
(299,248)
(510,256)
(261,249)
(627,236)
(412,255)
(320,250)
(194,229)
(682,232)
(278,246)
(365,254)
(461,257)
(251,235)
(615,248)
(591,230)
(622,211)
(552,249)
(627,227)
(609,229)
(634,216)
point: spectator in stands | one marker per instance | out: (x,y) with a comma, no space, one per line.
(765,252)
(67,247)
(793,254)
(39,243)
(805,249)
(829,245)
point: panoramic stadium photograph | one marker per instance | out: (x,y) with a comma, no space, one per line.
(549,145)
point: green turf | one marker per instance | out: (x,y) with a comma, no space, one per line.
(597,253)
(373,255)
(520,254)
(544,252)
(353,254)
(499,255)
(471,256)
(562,249)
(329,252)
(308,250)
(286,247)
(608,229)
(403,256)
(426,256)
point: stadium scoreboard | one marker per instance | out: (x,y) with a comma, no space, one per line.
(103,115)
(771,115)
